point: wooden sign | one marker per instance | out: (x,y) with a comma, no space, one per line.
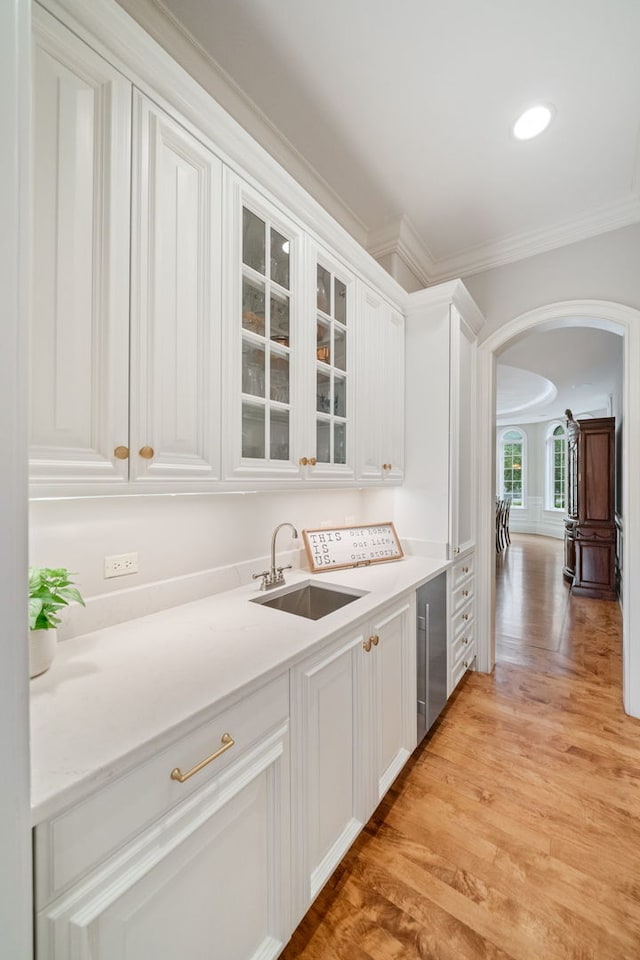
(329,549)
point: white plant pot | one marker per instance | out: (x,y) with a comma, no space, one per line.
(42,650)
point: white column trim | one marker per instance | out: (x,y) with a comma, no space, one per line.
(15,805)
(605,315)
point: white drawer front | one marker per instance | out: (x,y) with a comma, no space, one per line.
(462,644)
(464,664)
(80,838)
(461,571)
(462,620)
(461,595)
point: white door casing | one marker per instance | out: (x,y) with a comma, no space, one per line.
(605,315)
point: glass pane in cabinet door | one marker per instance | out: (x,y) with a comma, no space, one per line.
(340,302)
(253,241)
(323,441)
(339,348)
(253,377)
(253,301)
(323,392)
(340,396)
(323,292)
(279,305)
(253,444)
(339,443)
(279,389)
(279,434)
(323,341)
(279,259)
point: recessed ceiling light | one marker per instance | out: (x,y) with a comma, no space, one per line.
(532,122)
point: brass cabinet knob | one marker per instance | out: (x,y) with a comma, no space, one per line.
(465,640)
(466,664)
(146,453)
(375,640)
(121,453)
(465,593)
(389,466)
(367,645)
(465,569)
(303,461)
(312,461)
(465,616)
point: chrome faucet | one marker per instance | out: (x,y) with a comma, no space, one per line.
(275,577)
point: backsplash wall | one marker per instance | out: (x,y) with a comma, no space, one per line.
(187,546)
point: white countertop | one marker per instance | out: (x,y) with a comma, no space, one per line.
(112,697)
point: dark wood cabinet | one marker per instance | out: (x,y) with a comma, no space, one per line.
(590,531)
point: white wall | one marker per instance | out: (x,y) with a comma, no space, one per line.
(185,544)
(15,820)
(602,268)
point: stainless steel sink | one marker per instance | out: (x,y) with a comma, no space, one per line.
(310,600)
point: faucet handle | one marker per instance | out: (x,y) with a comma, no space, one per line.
(265,578)
(286,567)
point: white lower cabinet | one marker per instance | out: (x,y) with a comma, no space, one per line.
(207,878)
(461,643)
(353,728)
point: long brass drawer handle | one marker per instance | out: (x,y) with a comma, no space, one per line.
(227,742)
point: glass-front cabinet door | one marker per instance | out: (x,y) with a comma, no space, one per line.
(333,360)
(262,313)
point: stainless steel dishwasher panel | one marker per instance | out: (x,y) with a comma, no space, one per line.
(431,638)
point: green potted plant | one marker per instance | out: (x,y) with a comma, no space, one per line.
(49,591)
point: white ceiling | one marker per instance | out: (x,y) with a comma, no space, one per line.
(546,372)
(404,110)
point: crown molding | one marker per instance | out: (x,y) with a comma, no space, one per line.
(442,295)
(519,247)
(400,237)
(160,23)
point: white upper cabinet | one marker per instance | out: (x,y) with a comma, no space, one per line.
(379,388)
(80,309)
(189,329)
(175,302)
(436,505)
(263,341)
(332,352)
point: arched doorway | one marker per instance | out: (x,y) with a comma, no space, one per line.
(606,315)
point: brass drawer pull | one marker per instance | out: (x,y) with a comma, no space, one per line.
(227,742)
(375,640)
(465,593)
(303,461)
(121,453)
(312,461)
(465,569)
(465,616)
(146,453)
(367,645)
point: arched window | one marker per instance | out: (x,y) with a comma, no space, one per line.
(512,466)
(556,454)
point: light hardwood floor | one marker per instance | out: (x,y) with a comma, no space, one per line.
(514,831)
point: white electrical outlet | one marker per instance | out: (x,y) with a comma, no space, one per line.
(120,565)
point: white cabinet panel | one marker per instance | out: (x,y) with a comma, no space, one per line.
(80,314)
(437,503)
(393,723)
(329,806)
(354,727)
(379,388)
(175,322)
